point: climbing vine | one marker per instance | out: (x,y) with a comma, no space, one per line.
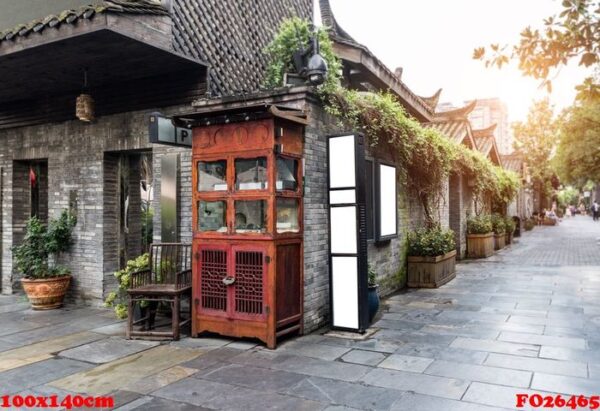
(427,157)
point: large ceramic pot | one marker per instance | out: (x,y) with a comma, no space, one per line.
(373,299)
(46,293)
(431,272)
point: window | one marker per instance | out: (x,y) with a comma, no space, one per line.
(287,215)
(251,216)
(212,176)
(251,174)
(212,216)
(287,174)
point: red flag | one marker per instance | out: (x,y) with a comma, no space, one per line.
(32,177)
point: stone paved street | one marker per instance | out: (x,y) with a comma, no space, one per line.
(524,321)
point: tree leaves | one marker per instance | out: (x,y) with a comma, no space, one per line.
(575,33)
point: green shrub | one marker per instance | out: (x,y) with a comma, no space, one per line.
(430,242)
(117,299)
(372,276)
(498,224)
(32,256)
(529,224)
(510,225)
(479,225)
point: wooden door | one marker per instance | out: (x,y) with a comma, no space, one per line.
(211,269)
(232,281)
(249,290)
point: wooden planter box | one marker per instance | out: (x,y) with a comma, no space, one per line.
(480,245)
(548,221)
(499,241)
(431,272)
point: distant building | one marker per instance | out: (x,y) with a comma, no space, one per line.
(493,111)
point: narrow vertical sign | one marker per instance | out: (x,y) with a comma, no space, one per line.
(347,233)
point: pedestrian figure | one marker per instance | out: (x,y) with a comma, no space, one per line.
(595,210)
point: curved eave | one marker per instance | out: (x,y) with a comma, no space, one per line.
(456,114)
(381,77)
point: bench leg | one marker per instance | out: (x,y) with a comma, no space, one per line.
(129,318)
(175,320)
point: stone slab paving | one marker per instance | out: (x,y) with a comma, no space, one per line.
(107,350)
(524,321)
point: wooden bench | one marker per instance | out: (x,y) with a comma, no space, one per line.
(168,279)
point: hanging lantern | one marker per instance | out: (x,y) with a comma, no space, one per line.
(84,106)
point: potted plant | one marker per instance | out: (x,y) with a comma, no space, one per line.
(499,228)
(510,229)
(373,296)
(431,257)
(480,237)
(529,224)
(44,281)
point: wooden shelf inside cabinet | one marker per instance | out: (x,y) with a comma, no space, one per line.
(248,229)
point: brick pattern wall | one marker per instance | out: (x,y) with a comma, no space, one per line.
(78,160)
(316,221)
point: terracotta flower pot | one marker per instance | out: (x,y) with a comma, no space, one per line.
(46,293)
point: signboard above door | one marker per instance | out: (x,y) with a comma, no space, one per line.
(161,130)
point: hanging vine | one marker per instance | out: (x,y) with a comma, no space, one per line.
(427,157)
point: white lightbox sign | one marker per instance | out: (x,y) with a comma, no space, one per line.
(341,162)
(387,202)
(347,236)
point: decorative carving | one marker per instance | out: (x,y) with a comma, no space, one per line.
(241,135)
(260,132)
(203,138)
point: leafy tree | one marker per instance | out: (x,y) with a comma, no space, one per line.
(536,138)
(573,35)
(578,154)
(568,196)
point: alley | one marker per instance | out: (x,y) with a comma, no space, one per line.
(526,320)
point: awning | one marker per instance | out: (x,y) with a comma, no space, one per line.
(110,57)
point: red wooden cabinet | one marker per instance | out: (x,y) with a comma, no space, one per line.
(247,216)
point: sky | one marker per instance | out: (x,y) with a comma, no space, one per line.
(433,41)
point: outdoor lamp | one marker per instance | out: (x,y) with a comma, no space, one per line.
(84,104)
(316,70)
(309,64)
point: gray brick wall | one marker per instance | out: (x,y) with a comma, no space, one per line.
(77,160)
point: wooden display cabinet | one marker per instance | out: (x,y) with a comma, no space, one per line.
(247,217)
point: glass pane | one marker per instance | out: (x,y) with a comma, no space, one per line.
(251,216)
(212,216)
(287,215)
(251,174)
(287,174)
(212,176)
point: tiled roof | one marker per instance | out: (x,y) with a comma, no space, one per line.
(485,132)
(85,12)
(338,34)
(456,130)
(513,162)
(231,36)
(484,144)
(456,113)
(433,100)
